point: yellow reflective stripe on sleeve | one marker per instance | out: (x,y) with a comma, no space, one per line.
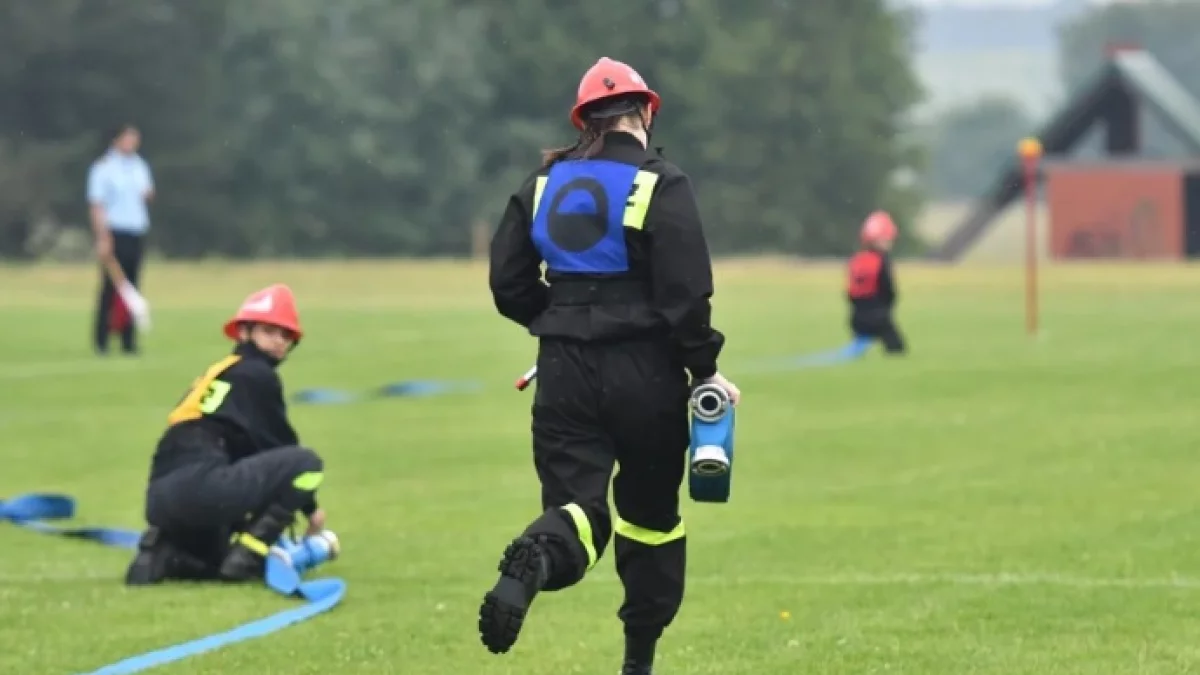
(648,537)
(584,527)
(308,481)
(539,191)
(639,199)
(253,543)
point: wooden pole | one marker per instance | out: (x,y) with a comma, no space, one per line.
(480,239)
(1030,150)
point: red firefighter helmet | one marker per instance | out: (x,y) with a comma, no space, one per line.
(877,227)
(609,79)
(274,305)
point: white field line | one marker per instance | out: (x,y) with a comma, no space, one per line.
(986,580)
(70,367)
(116,574)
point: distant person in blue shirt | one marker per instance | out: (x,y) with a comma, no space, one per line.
(119,187)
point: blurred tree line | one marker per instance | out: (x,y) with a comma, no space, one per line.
(393,127)
(967,144)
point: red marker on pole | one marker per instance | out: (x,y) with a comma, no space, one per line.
(1030,150)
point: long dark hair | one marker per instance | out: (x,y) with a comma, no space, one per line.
(591,139)
(588,145)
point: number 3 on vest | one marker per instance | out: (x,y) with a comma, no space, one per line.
(217,390)
(205,395)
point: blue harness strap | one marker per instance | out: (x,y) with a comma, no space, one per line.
(31,512)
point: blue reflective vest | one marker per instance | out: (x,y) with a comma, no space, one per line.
(581,210)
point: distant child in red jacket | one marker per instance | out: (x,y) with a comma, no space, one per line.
(870,286)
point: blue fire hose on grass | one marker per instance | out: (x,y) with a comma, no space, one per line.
(32,511)
(854,350)
(403,389)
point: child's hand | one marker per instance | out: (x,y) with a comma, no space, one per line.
(735,394)
(316,522)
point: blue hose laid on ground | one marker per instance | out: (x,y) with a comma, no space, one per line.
(853,351)
(405,389)
(31,512)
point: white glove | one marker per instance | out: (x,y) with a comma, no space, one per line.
(730,388)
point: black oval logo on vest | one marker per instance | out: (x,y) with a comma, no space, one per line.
(586,224)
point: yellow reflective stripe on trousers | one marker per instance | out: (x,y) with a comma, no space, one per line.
(648,537)
(584,527)
(639,199)
(253,543)
(308,481)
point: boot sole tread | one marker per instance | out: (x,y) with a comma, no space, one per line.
(500,616)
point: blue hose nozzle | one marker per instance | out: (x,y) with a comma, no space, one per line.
(710,459)
(288,560)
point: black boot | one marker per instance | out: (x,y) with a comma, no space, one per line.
(246,560)
(523,574)
(158,560)
(640,645)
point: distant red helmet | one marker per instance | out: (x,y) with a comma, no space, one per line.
(877,227)
(274,305)
(609,79)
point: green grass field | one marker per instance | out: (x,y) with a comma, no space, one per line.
(992,505)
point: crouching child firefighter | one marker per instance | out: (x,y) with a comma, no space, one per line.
(228,474)
(870,286)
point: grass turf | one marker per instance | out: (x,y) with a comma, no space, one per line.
(990,505)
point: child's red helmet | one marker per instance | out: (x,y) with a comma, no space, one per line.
(274,305)
(878,227)
(609,79)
